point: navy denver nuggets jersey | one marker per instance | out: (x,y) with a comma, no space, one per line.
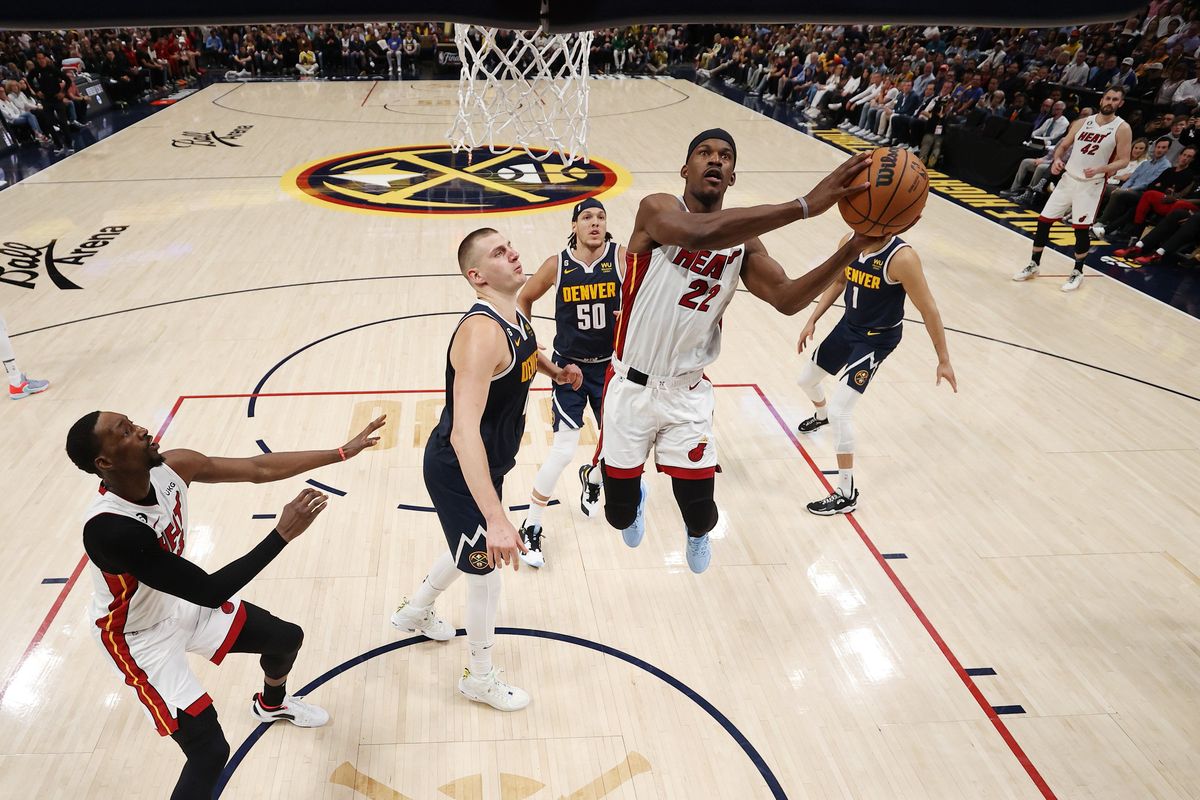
(872,299)
(586,299)
(503,420)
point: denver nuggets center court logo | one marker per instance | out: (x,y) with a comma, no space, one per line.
(430,179)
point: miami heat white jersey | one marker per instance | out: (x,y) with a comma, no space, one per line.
(1093,147)
(672,300)
(119,603)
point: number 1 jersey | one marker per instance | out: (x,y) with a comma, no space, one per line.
(672,301)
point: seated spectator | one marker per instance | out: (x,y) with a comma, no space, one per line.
(1186,97)
(1175,137)
(1119,215)
(16,119)
(1077,72)
(935,114)
(117,79)
(1103,75)
(1018,110)
(908,126)
(1137,154)
(907,103)
(884,98)
(1030,178)
(856,102)
(307,65)
(1053,128)
(1175,233)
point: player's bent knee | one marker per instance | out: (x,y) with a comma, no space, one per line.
(619,515)
(696,504)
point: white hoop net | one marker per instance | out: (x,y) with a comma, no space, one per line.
(524,89)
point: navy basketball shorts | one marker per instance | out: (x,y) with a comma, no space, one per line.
(569,404)
(462,521)
(853,354)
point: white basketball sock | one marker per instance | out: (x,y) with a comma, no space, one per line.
(443,573)
(483,598)
(8,357)
(846,482)
(536,509)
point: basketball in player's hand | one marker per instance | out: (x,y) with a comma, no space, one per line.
(898,189)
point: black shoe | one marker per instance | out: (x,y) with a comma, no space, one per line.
(811,424)
(589,494)
(531,537)
(836,503)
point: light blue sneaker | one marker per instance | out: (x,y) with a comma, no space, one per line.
(28,386)
(699,552)
(634,533)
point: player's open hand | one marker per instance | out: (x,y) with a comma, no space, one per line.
(503,544)
(571,374)
(364,439)
(845,181)
(300,513)
(946,372)
(806,336)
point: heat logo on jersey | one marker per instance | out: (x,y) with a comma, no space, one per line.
(431,179)
(703,263)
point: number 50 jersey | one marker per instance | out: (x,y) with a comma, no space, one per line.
(671,307)
(587,297)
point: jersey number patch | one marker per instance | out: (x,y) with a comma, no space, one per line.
(699,288)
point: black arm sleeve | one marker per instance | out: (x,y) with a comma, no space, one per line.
(120,545)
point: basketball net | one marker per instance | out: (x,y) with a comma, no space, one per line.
(530,92)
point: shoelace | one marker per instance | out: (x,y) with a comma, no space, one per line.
(593,492)
(535,539)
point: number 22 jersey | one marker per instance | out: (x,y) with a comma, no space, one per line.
(672,301)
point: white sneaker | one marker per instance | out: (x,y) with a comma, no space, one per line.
(1031,270)
(589,493)
(1098,230)
(424,621)
(492,690)
(531,537)
(844,124)
(1073,282)
(293,709)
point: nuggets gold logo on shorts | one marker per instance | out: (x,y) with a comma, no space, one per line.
(861,377)
(478,559)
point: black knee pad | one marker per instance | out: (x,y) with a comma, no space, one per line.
(1041,236)
(621,498)
(1083,241)
(695,501)
(203,743)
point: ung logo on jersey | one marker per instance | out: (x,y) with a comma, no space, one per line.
(430,179)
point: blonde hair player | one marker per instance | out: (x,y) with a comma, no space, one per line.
(1099,147)
(492,358)
(586,278)
(874,287)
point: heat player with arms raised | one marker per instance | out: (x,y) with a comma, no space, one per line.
(685,258)
(1099,147)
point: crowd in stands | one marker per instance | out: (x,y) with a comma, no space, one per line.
(890,84)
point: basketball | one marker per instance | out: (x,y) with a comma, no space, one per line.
(899,188)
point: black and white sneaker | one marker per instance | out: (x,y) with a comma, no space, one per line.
(836,503)
(292,709)
(531,537)
(811,424)
(589,493)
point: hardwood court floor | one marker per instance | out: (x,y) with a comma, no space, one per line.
(1047,514)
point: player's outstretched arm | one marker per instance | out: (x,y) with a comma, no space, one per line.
(479,351)
(121,545)
(766,280)
(660,219)
(193,466)
(537,285)
(905,267)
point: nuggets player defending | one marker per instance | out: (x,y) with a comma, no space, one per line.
(492,358)
(1099,148)
(586,277)
(151,606)
(686,257)
(873,286)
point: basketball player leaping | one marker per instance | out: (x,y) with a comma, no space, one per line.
(686,256)
(586,278)
(492,358)
(151,606)
(1099,148)
(876,284)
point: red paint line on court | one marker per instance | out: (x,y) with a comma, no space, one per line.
(66,589)
(364,102)
(972,687)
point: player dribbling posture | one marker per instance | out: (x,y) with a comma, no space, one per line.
(875,285)
(686,257)
(491,360)
(151,606)
(586,278)
(1100,146)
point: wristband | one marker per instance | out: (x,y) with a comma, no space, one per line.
(803,207)
(342,453)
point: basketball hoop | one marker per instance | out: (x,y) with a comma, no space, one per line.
(526,89)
